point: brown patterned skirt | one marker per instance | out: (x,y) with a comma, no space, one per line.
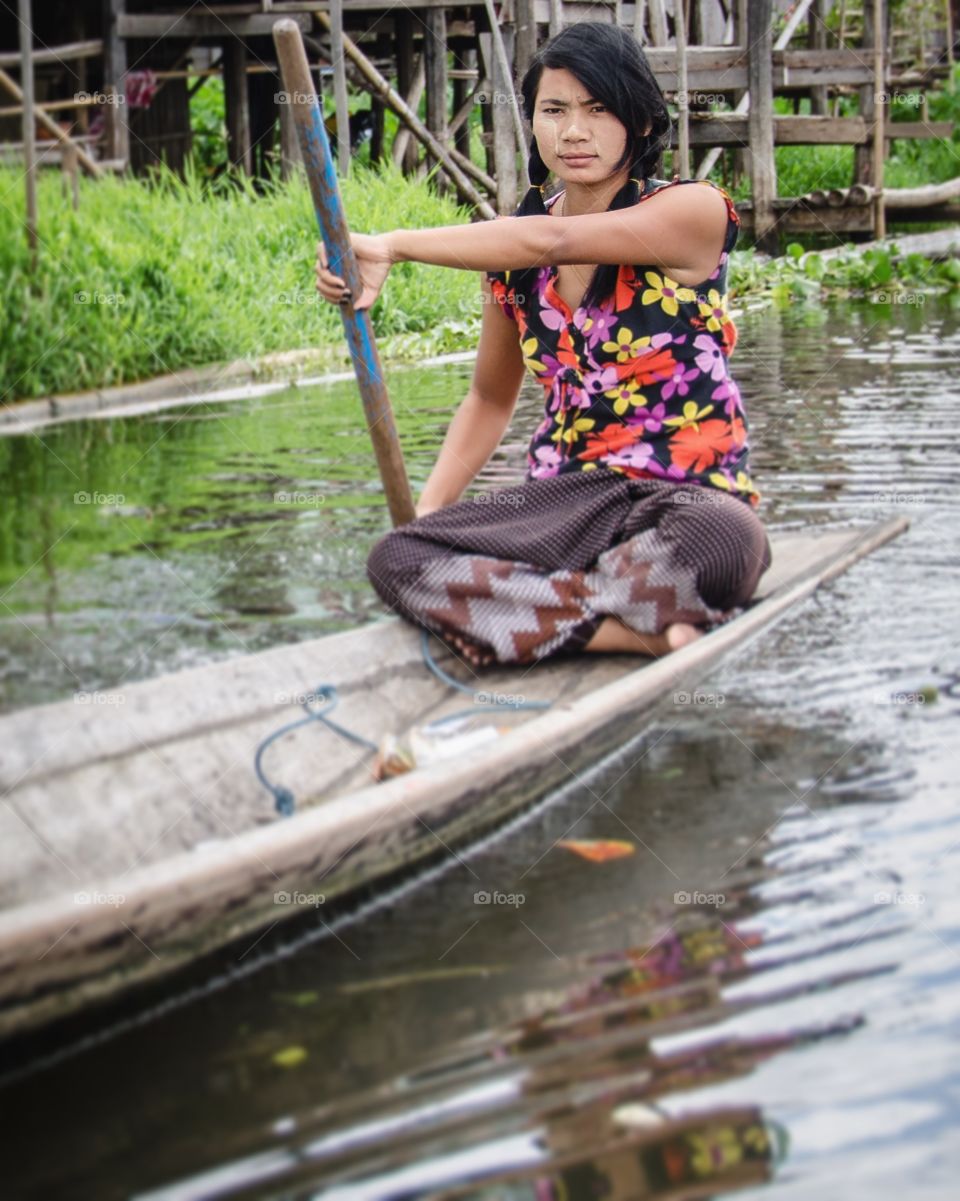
(529,571)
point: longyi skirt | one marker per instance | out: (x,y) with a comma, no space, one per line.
(525,572)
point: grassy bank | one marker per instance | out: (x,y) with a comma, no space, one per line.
(152,277)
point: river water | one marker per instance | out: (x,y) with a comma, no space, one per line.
(764,996)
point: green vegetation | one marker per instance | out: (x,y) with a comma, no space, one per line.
(909,163)
(877,273)
(155,275)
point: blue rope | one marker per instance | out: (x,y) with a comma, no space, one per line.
(284,799)
(441,675)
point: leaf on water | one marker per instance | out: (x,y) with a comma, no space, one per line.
(299,998)
(598,850)
(290,1057)
(481,970)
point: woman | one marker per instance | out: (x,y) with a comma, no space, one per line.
(635,529)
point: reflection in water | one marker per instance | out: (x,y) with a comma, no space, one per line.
(777,963)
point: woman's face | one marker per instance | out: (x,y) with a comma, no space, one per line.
(579,139)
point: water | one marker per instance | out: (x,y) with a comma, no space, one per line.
(763,996)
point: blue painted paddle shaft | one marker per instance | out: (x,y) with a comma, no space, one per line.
(322,177)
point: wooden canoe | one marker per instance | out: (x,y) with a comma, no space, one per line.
(136,838)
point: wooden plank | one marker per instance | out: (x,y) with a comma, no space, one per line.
(732,129)
(526,37)
(763,168)
(435,70)
(850,219)
(28,126)
(57,955)
(918,129)
(409,69)
(683,99)
(114,70)
(504,144)
(237,104)
(92,48)
(202,25)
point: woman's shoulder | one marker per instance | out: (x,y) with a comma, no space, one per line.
(653,186)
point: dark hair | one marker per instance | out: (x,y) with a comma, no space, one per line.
(610,64)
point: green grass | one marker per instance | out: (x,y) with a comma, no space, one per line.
(156,275)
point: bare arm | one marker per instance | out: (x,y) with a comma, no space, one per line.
(679,228)
(484,413)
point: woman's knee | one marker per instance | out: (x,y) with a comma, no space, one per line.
(723,539)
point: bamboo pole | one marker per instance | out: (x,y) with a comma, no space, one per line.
(322,176)
(16,92)
(380,87)
(29,126)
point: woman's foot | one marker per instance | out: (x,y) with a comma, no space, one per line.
(612,636)
(467,650)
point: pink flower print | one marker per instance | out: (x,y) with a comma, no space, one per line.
(569,390)
(595,323)
(650,419)
(730,393)
(710,359)
(550,317)
(637,456)
(673,472)
(601,379)
(545,462)
(719,267)
(678,381)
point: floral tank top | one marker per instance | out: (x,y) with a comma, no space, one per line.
(638,384)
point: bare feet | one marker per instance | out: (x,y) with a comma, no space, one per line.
(467,650)
(613,636)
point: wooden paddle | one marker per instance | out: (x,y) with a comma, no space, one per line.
(322,177)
